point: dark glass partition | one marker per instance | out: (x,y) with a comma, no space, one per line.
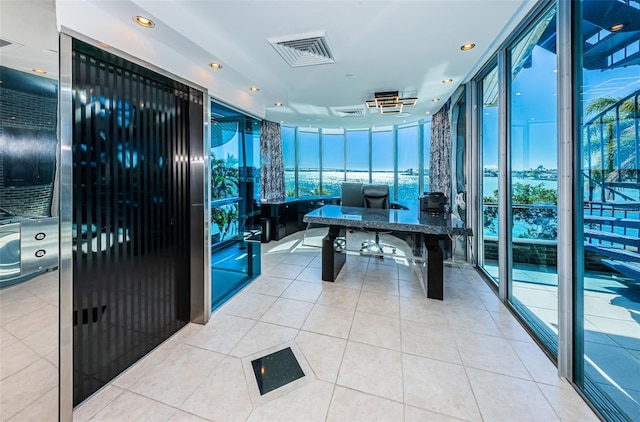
(130,157)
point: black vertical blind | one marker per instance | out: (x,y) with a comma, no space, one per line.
(130,152)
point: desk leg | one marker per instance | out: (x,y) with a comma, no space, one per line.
(435,264)
(333,253)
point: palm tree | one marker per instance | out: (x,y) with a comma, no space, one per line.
(224,177)
(605,108)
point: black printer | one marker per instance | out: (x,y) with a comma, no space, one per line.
(433,202)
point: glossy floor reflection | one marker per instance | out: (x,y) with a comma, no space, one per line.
(29,349)
(612,327)
(378,349)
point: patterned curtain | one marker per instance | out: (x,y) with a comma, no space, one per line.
(440,162)
(271,163)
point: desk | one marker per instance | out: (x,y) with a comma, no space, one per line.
(427,229)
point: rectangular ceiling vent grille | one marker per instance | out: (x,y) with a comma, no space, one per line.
(307,49)
(350,113)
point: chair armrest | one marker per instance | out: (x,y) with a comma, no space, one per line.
(396,206)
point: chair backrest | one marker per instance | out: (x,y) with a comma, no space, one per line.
(351,194)
(376,196)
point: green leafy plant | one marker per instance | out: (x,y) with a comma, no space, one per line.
(224,184)
(541,221)
(224,177)
(226,218)
(615,127)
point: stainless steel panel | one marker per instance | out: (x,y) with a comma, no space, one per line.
(567,195)
(504,181)
(38,244)
(66,244)
(199,239)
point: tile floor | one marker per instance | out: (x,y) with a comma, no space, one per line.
(612,327)
(29,349)
(377,349)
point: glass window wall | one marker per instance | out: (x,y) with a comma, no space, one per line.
(235,166)
(288,135)
(357,156)
(308,162)
(333,171)
(387,155)
(488,189)
(382,160)
(533,182)
(426,154)
(408,166)
(609,306)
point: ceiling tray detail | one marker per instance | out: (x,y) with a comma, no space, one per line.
(308,49)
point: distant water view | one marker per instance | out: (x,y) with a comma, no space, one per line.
(331,181)
(308,182)
(407,183)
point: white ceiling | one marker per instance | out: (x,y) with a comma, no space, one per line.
(31,26)
(408,46)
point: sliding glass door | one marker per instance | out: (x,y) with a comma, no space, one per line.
(533,178)
(608,356)
(489,166)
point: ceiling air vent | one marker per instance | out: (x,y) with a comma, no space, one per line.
(358,112)
(309,49)
(8,45)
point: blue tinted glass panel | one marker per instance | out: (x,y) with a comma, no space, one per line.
(609,210)
(308,163)
(408,166)
(288,135)
(357,156)
(533,149)
(332,163)
(488,115)
(382,159)
(426,136)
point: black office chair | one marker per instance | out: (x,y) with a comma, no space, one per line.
(376,196)
(351,194)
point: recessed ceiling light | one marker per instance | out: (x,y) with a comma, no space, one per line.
(144,21)
(278,104)
(467,47)
(435,100)
(428,112)
(40,71)
(104,45)
(518,93)
(50,50)
(281,121)
(617,27)
(254,89)
(216,66)
(349,75)
(446,81)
